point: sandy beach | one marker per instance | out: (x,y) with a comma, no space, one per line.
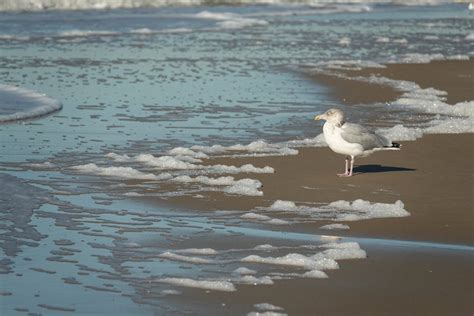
(433,178)
(162,158)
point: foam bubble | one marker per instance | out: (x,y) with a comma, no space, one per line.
(365,210)
(186,159)
(295,260)
(87,33)
(119,172)
(451,126)
(241,23)
(344,41)
(342,251)
(265,247)
(267,313)
(170,292)
(277,221)
(255,216)
(342,210)
(247,168)
(261,146)
(348,64)
(164,162)
(256,148)
(230,20)
(133,194)
(250,279)
(198,251)
(8,37)
(244,271)
(280,205)
(317,141)
(216,15)
(400,40)
(316,274)
(469,37)
(43,165)
(245,187)
(267,307)
(143,31)
(382,39)
(457,57)
(240,187)
(401,133)
(224,286)
(220,181)
(118,158)
(177,257)
(335,226)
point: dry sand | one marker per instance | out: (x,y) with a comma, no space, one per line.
(433,176)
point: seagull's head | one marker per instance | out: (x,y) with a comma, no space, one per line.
(334,116)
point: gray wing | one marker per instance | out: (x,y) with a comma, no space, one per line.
(355,133)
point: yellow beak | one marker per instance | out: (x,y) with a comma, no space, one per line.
(317,117)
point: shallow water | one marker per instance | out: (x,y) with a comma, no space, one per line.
(144,81)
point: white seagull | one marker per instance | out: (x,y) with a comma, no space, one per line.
(351,140)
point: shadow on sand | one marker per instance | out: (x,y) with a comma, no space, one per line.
(378,168)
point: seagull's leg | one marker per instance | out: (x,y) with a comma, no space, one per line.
(352,166)
(346,169)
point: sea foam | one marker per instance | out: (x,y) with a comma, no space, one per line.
(198,251)
(295,260)
(242,186)
(224,286)
(119,172)
(187,159)
(228,20)
(452,119)
(267,307)
(176,257)
(339,210)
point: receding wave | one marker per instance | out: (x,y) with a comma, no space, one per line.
(19,103)
(39,5)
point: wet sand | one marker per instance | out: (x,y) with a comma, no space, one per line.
(388,282)
(432,176)
(452,76)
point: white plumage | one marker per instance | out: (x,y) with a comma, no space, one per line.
(351,140)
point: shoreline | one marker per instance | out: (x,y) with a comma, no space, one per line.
(410,175)
(403,273)
(424,175)
(451,76)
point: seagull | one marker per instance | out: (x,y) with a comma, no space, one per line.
(351,140)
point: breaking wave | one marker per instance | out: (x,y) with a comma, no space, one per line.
(19,103)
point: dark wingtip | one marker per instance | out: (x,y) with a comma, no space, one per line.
(394,145)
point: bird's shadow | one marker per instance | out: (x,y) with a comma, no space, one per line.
(379,168)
